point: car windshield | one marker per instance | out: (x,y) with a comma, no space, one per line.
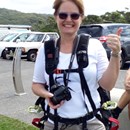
(35,38)
(9,37)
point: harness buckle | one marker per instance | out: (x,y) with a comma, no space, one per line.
(57,71)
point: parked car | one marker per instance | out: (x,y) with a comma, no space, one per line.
(13,37)
(125,45)
(32,44)
(100,31)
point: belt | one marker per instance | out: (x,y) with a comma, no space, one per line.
(72,120)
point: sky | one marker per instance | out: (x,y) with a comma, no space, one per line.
(92,7)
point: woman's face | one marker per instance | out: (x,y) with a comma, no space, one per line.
(68,18)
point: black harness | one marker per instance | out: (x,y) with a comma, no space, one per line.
(52,58)
(51,61)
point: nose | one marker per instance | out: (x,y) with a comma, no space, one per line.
(68,18)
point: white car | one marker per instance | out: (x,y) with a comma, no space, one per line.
(13,37)
(32,44)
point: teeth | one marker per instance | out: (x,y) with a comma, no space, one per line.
(68,25)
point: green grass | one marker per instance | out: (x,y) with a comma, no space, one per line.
(7,123)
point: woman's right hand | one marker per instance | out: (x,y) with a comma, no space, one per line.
(50,95)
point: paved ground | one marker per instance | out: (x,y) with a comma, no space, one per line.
(16,106)
(11,104)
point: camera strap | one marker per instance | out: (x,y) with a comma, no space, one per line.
(75,45)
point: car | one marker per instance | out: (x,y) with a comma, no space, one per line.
(13,37)
(100,32)
(125,46)
(32,44)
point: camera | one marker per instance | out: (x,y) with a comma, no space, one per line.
(60,93)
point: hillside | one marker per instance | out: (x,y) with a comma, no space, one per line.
(15,17)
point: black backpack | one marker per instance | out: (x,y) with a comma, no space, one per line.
(51,61)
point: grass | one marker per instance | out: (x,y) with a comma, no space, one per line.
(7,123)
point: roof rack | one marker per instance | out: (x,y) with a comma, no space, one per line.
(9,27)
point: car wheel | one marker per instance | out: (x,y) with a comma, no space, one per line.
(122,61)
(5,55)
(31,56)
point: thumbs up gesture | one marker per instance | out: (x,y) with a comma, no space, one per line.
(113,41)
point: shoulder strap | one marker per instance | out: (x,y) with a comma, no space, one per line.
(82,50)
(50,56)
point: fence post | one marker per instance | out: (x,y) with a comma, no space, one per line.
(16,72)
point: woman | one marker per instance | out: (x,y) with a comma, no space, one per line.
(69,15)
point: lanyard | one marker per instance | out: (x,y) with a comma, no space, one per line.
(75,46)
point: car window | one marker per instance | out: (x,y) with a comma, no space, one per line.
(35,38)
(126,32)
(99,30)
(113,29)
(9,37)
(94,31)
(22,37)
(46,38)
(53,36)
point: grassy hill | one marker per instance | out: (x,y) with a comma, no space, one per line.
(15,17)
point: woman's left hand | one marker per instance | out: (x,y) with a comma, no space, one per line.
(113,41)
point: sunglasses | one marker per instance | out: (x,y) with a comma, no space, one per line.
(74,16)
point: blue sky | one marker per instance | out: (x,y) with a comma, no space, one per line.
(45,6)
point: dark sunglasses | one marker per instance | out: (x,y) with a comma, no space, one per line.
(74,16)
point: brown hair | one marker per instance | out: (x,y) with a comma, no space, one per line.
(79,4)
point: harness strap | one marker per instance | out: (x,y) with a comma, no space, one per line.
(59,71)
(39,122)
(55,120)
(77,121)
(85,88)
(36,123)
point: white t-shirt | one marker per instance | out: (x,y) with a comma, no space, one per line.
(98,63)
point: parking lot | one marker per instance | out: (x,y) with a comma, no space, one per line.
(11,104)
(16,106)
(27,72)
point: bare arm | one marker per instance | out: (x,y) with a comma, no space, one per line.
(127,80)
(110,76)
(39,90)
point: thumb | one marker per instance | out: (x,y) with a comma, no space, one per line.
(119,30)
(50,95)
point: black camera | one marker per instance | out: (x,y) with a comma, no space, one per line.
(60,93)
